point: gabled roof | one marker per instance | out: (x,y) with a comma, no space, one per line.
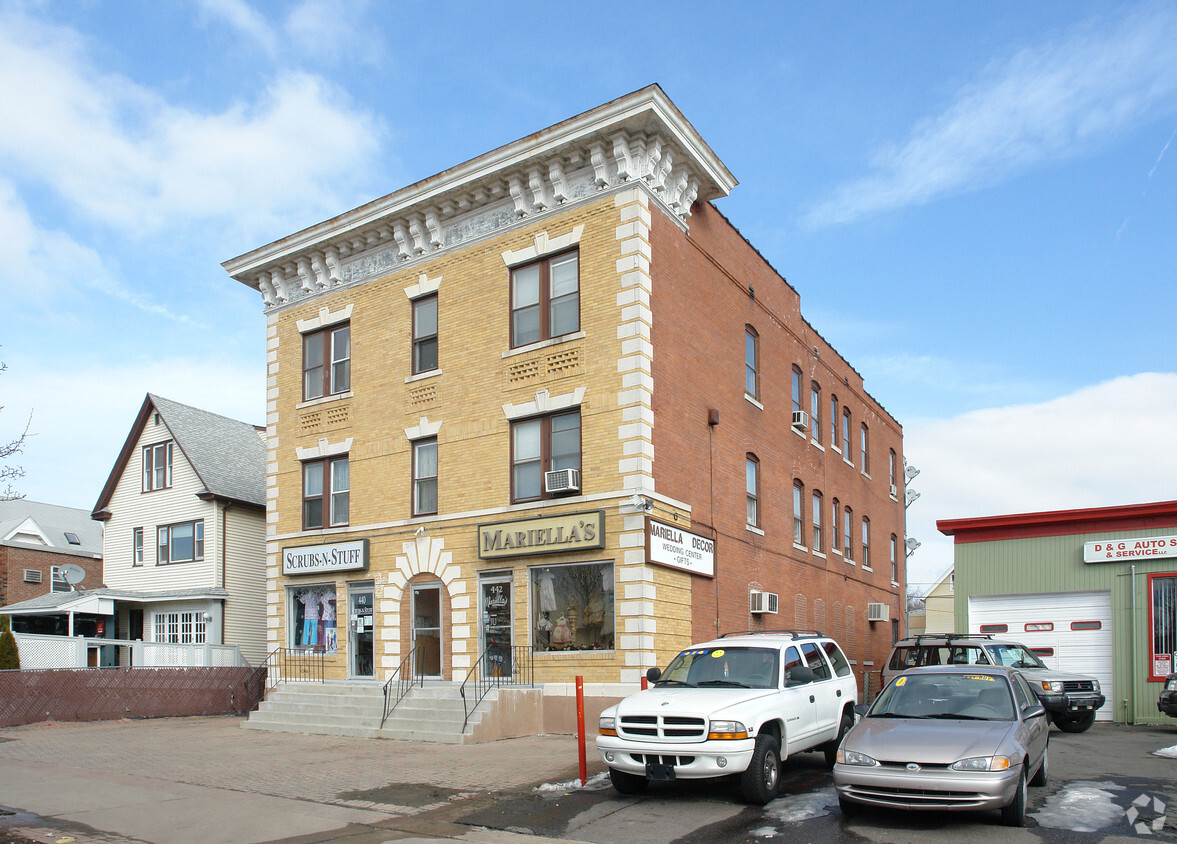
(47,526)
(228,456)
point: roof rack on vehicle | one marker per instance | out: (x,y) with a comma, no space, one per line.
(796,634)
(949,638)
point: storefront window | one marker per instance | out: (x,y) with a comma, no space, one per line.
(1164,624)
(572,607)
(312,610)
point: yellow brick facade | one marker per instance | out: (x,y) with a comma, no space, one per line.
(606,364)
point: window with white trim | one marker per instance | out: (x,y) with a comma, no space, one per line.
(540,445)
(425,477)
(326,362)
(865,542)
(179,628)
(425,334)
(137,546)
(752,489)
(326,492)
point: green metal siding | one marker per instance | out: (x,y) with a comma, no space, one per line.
(1055,564)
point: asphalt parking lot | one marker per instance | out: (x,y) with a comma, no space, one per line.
(181,780)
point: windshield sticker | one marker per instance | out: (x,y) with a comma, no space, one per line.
(984,677)
(717,653)
(901,681)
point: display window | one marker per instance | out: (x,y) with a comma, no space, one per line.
(312,613)
(1163,620)
(572,607)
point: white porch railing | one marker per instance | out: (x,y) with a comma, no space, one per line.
(39,651)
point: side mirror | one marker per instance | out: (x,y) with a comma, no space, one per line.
(652,674)
(799,676)
(1034,710)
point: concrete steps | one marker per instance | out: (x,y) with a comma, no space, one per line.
(432,713)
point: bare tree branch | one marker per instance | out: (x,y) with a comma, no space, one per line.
(9,473)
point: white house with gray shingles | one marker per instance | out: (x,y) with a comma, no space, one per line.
(184,539)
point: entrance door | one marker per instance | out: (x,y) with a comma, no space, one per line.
(427,630)
(360,630)
(497,627)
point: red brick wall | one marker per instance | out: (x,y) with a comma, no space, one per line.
(14,561)
(701,304)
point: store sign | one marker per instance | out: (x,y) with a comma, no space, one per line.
(334,556)
(548,535)
(1139,548)
(672,546)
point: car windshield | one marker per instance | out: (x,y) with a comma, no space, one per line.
(1015,656)
(753,668)
(970,697)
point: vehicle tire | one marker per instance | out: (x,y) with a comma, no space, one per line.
(1075,724)
(1015,813)
(626,783)
(1043,770)
(762,780)
(849,807)
(831,748)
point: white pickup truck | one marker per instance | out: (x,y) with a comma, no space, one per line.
(737,705)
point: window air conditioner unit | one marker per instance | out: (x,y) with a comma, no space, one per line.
(562,480)
(32,576)
(800,419)
(762,602)
(878,612)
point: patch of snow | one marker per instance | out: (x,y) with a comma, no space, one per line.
(1167,752)
(764,832)
(1081,807)
(802,807)
(595,783)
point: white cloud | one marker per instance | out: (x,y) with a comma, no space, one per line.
(122,156)
(1045,102)
(82,415)
(1104,445)
(240,16)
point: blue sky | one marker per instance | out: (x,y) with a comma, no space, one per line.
(977,202)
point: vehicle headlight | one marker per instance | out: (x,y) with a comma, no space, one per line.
(982,763)
(724,730)
(1094,685)
(1171,685)
(607,725)
(1055,686)
(853,757)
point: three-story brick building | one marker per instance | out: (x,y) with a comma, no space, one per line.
(552,398)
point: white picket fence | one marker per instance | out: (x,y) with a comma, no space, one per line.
(39,651)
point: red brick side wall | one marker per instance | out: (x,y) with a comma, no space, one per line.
(700,316)
(14,561)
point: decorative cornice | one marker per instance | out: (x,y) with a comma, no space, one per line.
(641,138)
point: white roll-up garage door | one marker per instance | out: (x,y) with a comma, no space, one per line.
(1075,627)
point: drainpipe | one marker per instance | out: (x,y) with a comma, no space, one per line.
(1131,714)
(224,564)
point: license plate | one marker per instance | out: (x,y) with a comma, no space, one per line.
(659,772)
(1080,706)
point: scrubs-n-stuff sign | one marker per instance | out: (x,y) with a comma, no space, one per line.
(668,545)
(1133,548)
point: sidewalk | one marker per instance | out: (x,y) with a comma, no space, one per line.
(205,780)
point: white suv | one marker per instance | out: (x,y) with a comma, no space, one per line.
(739,704)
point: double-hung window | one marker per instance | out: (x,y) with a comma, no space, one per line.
(848,534)
(847,453)
(326,486)
(835,536)
(815,411)
(545,299)
(425,334)
(751,362)
(864,449)
(137,546)
(326,362)
(752,489)
(818,506)
(834,421)
(796,389)
(865,542)
(798,515)
(157,466)
(425,477)
(180,543)
(539,445)
(894,558)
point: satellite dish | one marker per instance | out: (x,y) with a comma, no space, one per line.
(72,573)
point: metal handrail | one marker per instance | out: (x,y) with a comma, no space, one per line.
(490,674)
(282,664)
(405,680)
